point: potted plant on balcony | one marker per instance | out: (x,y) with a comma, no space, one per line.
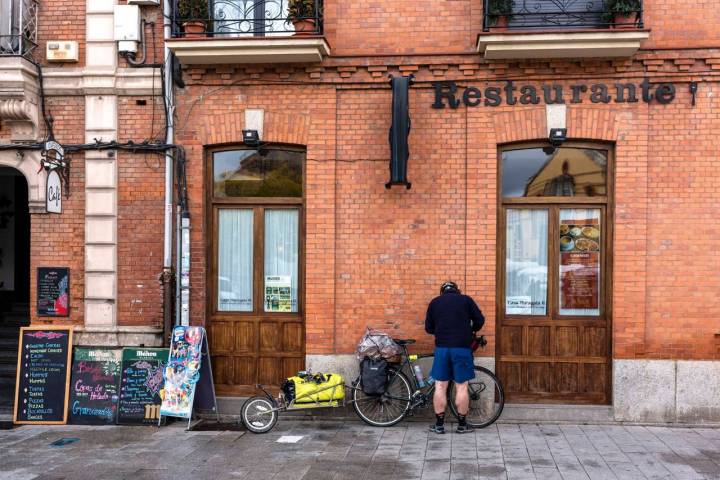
(193,15)
(499,13)
(622,13)
(302,14)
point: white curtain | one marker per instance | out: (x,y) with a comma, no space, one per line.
(281,251)
(526,267)
(235,260)
(588,274)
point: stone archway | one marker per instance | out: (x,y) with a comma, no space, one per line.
(28,163)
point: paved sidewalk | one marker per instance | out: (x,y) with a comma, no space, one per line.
(350,450)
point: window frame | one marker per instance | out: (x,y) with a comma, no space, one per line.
(553,205)
(258,205)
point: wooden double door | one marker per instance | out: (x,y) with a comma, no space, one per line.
(256,329)
(554,330)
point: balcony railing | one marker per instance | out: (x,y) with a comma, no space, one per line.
(18,27)
(246,18)
(534,15)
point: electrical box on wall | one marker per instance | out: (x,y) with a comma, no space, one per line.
(61,51)
(127,27)
(144,2)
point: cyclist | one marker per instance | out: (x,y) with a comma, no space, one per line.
(453,318)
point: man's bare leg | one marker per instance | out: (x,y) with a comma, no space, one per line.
(439,405)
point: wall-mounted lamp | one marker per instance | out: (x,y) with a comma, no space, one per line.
(557,136)
(251,138)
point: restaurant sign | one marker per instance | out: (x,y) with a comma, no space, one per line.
(448,94)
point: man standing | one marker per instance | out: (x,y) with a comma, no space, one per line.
(453,318)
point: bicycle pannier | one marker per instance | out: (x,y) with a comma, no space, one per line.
(373,376)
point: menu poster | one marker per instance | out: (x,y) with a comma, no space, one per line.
(278,297)
(579,266)
(43,375)
(94,386)
(53,291)
(183,371)
(141,385)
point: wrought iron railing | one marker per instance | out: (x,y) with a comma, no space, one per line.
(246,18)
(18,27)
(557,14)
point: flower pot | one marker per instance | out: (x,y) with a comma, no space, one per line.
(194,28)
(625,21)
(501,23)
(305,26)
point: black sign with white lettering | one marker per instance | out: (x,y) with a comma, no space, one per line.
(94,386)
(141,383)
(53,291)
(41,395)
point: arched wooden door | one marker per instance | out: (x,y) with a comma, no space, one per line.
(255,317)
(554,249)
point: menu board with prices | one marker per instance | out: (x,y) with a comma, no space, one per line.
(53,291)
(580,267)
(141,385)
(43,375)
(94,386)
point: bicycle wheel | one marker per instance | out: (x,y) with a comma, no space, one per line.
(258,414)
(487,398)
(387,409)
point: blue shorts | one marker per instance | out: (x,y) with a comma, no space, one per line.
(454,364)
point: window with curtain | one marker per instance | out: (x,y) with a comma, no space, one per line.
(235,260)
(526,264)
(281,260)
(579,266)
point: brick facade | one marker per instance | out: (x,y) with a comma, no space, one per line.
(375,256)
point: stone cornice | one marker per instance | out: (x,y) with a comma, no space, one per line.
(93,81)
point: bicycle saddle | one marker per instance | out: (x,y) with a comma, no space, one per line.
(408,341)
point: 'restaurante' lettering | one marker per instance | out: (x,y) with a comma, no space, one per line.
(448,94)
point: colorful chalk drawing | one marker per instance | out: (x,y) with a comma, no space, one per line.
(182,371)
(48,335)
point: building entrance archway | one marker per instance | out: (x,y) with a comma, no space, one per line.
(14,274)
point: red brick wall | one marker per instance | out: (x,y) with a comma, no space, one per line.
(141,200)
(58,240)
(376,256)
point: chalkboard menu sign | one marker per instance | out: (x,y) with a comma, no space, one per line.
(94,386)
(141,382)
(53,291)
(43,375)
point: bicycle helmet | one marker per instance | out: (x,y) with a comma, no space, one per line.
(449,287)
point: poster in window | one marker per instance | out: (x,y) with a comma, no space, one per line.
(580,267)
(278,293)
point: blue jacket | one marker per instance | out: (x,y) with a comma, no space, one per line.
(453,318)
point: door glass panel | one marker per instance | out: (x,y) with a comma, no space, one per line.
(526,267)
(257,173)
(580,261)
(235,260)
(281,260)
(236,18)
(554,172)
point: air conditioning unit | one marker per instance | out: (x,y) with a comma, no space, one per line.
(154,3)
(61,51)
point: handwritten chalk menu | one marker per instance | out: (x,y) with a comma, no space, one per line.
(43,375)
(53,291)
(141,385)
(94,386)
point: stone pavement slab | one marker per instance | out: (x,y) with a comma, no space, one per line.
(339,449)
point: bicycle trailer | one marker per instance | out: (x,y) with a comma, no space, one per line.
(314,388)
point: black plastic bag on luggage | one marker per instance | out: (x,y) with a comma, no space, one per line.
(373,376)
